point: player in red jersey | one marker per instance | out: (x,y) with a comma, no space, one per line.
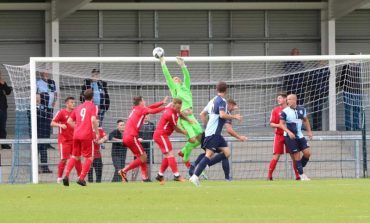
(65,137)
(97,163)
(131,133)
(85,123)
(279,142)
(166,125)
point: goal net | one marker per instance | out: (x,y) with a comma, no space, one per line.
(334,90)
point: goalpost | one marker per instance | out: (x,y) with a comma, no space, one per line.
(254,83)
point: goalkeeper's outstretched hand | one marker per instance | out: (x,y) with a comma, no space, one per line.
(162,60)
(180,61)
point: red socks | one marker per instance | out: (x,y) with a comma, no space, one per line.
(78,166)
(172,163)
(61,166)
(295,170)
(144,170)
(70,165)
(187,164)
(135,163)
(85,168)
(164,165)
(169,161)
(272,166)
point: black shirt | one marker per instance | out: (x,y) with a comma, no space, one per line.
(4,91)
(117,145)
(146,133)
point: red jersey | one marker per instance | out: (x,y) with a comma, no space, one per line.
(82,117)
(167,122)
(97,153)
(64,135)
(275,118)
(137,115)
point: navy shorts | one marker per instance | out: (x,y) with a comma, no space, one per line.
(296,145)
(214,143)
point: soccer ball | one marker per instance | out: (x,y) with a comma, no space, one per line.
(158,52)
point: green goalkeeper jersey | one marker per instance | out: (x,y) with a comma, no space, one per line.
(181,91)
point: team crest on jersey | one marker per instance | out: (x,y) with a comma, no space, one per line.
(301,112)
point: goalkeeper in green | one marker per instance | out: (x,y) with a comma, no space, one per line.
(187,121)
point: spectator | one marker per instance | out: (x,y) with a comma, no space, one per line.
(118,150)
(318,91)
(4,91)
(350,81)
(97,161)
(47,94)
(100,90)
(146,133)
(294,78)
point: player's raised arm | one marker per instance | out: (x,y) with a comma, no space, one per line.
(185,72)
(158,104)
(170,82)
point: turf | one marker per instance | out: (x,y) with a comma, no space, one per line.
(238,201)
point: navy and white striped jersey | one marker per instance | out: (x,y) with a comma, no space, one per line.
(294,119)
(215,122)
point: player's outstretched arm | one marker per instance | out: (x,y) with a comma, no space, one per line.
(224,115)
(233,133)
(185,72)
(170,83)
(158,104)
(154,110)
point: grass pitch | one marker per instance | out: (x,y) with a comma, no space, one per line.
(238,201)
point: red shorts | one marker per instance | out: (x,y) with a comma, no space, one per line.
(164,143)
(134,145)
(279,144)
(83,148)
(65,150)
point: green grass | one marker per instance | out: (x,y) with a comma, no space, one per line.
(239,201)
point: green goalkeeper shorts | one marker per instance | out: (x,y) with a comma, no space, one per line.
(193,130)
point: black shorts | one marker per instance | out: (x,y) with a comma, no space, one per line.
(296,145)
(214,143)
